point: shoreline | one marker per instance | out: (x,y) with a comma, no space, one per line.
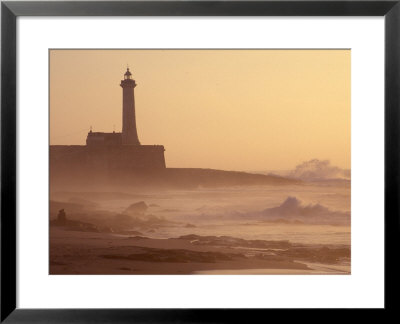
(75,252)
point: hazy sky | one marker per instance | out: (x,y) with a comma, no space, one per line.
(223,109)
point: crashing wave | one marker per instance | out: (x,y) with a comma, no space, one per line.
(294,210)
(316,170)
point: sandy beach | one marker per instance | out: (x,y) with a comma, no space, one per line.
(77,252)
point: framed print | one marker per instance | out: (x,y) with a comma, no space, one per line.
(194,161)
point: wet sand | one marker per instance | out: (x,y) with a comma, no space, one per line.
(75,252)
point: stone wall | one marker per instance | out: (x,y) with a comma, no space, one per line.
(104,162)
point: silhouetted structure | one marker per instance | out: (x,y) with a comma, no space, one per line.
(109,154)
(129,132)
(104,139)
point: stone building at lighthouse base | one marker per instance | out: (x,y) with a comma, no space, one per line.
(112,163)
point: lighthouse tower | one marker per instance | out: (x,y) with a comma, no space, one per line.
(129,132)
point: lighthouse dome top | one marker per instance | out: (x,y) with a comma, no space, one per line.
(128,74)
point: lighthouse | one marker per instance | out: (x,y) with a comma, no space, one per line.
(117,153)
(129,131)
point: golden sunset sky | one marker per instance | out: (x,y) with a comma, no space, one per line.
(221,109)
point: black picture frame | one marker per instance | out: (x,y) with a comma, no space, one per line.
(10,10)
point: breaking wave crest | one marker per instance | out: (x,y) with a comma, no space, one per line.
(315,170)
(292,209)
